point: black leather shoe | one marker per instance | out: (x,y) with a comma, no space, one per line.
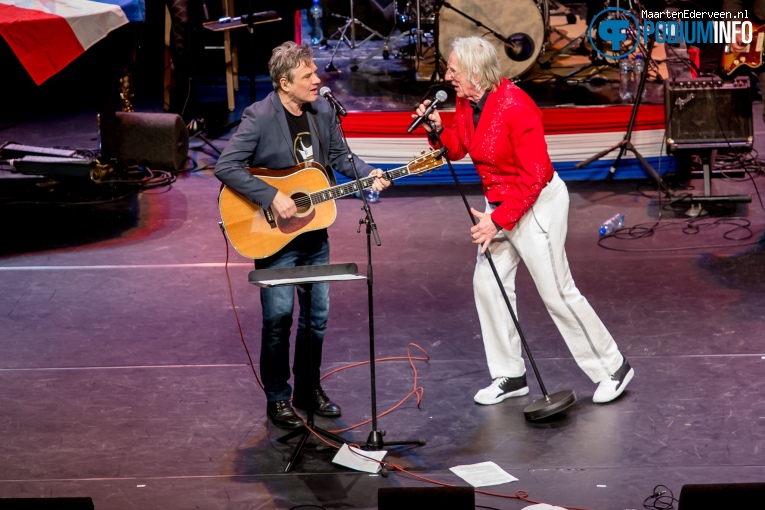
(318,401)
(282,415)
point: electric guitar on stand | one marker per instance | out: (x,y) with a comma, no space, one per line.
(257,233)
(750,57)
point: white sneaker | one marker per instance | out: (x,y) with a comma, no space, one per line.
(610,388)
(502,388)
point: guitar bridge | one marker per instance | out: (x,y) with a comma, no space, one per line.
(269,217)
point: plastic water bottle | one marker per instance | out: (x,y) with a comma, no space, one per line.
(612,224)
(373,196)
(637,67)
(626,80)
(315,14)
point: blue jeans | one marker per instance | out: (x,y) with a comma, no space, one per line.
(278,304)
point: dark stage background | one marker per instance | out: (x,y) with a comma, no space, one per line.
(123,377)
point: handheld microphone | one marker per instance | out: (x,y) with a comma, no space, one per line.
(327,94)
(440,98)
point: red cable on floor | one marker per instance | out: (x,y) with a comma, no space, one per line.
(233,307)
(416,390)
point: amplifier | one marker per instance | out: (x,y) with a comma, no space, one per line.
(157,140)
(708,113)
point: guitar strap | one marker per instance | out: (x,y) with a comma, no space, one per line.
(328,171)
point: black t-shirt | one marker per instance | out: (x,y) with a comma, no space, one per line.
(301,137)
(302,150)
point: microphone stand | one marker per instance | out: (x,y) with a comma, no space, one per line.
(548,405)
(626,143)
(375,438)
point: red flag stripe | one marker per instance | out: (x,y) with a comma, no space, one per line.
(31,33)
(557,121)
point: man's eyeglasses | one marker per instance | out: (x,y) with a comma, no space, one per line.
(452,71)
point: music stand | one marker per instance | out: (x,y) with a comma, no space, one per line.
(305,276)
(248,20)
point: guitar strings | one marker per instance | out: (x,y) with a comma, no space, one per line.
(346,189)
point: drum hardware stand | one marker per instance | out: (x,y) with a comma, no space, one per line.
(385,49)
(437,76)
(576,41)
(626,144)
(419,35)
(518,46)
(351,23)
(549,405)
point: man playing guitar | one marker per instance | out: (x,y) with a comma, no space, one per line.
(290,126)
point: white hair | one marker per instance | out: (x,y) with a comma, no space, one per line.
(479,61)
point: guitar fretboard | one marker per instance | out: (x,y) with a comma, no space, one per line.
(342,190)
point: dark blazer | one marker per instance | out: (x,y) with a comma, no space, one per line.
(263,139)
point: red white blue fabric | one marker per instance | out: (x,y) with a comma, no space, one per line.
(573,134)
(46,35)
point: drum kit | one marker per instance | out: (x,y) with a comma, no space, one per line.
(518,28)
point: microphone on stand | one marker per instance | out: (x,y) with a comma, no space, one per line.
(519,47)
(327,94)
(439,98)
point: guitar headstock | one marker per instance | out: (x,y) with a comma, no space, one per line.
(426,161)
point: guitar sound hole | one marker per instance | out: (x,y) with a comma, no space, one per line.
(302,202)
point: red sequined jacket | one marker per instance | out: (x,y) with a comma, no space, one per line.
(508,150)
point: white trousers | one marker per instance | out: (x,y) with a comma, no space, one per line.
(538,240)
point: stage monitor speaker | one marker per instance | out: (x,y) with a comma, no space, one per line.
(419,498)
(46,504)
(708,113)
(721,495)
(157,140)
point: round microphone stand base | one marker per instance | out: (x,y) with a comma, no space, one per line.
(549,405)
(375,440)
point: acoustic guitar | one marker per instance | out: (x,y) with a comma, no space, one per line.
(257,233)
(751,57)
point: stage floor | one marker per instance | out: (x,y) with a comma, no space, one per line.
(124,377)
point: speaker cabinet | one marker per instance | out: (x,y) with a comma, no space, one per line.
(708,113)
(721,495)
(420,498)
(46,504)
(157,140)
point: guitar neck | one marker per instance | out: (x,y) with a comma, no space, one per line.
(342,190)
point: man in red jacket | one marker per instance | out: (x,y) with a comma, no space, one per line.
(526,219)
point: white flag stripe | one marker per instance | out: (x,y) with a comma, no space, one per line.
(90,21)
(568,147)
